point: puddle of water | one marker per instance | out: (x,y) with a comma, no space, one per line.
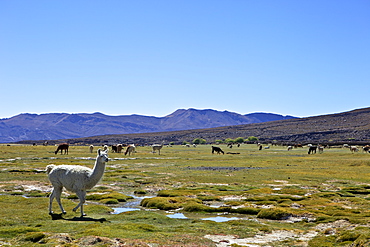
(215,219)
(131,205)
(177,216)
(221,219)
(122,210)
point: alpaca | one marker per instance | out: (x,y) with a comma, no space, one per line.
(157,147)
(130,149)
(91,148)
(61,147)
(76,179)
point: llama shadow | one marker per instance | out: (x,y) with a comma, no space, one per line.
(60,217)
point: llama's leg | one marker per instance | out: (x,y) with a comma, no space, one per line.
(81,195)
(58,193)
(52,195)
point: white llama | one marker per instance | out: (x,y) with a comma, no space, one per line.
(76,179)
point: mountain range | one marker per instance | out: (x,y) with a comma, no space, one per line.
(351,127)
(53,126)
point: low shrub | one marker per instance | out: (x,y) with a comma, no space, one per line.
(348,236)
(162,203)
(246,210)
(139,192)
(273,214)
(209,198)
(197,207)
(112,195)
(109,201)
(34,236)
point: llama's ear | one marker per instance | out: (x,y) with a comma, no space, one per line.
(99,150)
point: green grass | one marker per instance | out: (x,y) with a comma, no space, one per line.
(264,186)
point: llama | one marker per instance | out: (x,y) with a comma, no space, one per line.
(130,149)
(91,148)
(114,148)
(217,150)
(321,149)
(61,147)
(156,147)
(119,148)
(312,149)
(353,149)
(290,148)
(76,179)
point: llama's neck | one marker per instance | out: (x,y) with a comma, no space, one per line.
(97,173)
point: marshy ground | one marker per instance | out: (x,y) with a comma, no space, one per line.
(271,197)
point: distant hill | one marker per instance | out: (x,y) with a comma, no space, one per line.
(65,126)
(351,127)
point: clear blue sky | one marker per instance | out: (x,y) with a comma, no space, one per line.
(300,58)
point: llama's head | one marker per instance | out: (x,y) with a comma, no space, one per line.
(103,155)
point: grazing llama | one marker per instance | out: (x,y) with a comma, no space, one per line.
(119,148)
(312,149)
(130,149)
(76,179)
(61,147)
(91,148)
(217,150)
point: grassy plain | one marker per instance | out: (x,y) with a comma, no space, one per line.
(307,200)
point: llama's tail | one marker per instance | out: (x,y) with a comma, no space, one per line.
(49,168)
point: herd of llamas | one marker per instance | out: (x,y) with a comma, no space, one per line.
(78,179)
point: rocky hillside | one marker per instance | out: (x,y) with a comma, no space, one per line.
(65,126)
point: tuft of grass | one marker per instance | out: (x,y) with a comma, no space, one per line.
(197,207)
(273,214)
(162,203)
(34,236)
(11,232)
